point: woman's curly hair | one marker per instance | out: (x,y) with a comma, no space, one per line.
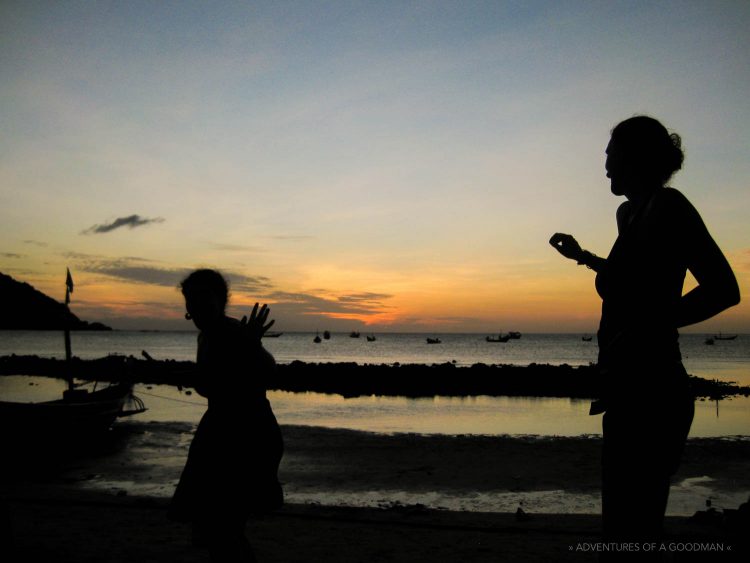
(206,280)
(649,146)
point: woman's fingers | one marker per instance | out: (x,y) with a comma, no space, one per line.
(560,238)
(254,312)
(263,314)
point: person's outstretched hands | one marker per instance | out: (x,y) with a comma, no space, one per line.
(566,245)
(255,326)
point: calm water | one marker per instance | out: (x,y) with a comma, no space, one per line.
(436,415)
(726,360)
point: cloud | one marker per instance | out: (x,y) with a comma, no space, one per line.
(131,221)
(168,277)
(11,255)
(365,304)
(234,247)
(247,284)
(141,270)
(364,298)
(291,237)
(36,243)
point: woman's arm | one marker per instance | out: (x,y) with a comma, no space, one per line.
(568,246)
(717,288)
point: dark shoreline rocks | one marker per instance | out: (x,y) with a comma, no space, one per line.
(353,380)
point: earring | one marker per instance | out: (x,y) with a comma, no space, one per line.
(188,317)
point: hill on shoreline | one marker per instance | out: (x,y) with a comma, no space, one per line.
(27,308)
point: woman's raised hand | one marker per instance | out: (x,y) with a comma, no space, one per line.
(255,325)
(566,245)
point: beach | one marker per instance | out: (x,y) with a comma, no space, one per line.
(98,507)
(366,478)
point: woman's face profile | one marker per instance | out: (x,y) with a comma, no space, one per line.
(620,172)
(204,307)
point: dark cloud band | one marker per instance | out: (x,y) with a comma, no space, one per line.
(131,221)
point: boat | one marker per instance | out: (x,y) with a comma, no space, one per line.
(587,338)
(433,340)
(513,335)
(272,334)
(317,339)
(354,334)
(499,338)
(371,338)
(326,335)
(724,337)
(79,415)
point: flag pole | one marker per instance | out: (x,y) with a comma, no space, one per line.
(68,353)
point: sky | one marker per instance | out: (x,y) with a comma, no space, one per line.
(384,166)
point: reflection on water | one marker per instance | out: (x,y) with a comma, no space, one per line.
(439,415)
(155,453)
(482,415)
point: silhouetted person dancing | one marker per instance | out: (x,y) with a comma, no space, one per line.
(232,465)
(646,394)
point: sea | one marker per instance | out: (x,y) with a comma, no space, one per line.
(725,360)
(527,417)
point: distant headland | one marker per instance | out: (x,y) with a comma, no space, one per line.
(27,308)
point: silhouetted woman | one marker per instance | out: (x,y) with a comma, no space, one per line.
(646,394)
(231,470)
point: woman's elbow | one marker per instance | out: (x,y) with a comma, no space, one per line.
(730,293)
(734,297)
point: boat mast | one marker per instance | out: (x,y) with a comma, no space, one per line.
(66,322)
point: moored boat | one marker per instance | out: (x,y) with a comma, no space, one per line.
(79,413)
(272,334)
(499,338)
(721,336)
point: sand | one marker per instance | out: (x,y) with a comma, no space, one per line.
(56,517)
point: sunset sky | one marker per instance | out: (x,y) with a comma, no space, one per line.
(390,165)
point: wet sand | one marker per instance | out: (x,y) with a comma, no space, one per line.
(60,517)
(94,528)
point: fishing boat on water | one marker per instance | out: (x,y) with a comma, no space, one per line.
(272,334)
(80,413)
(433,341)
(721,336)
(498,338)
